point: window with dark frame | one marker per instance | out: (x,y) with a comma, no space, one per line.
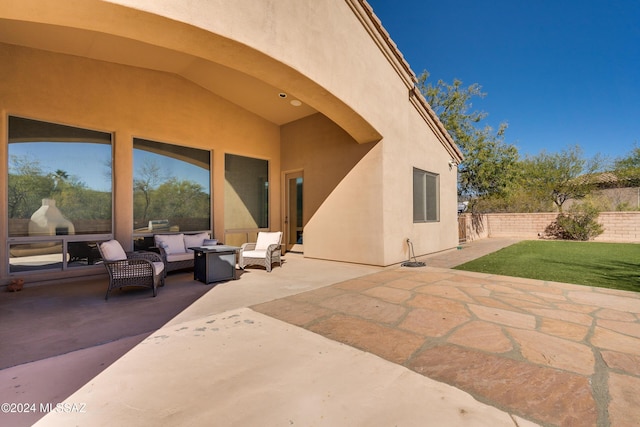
(246,192)
(171,188)
(426,196)
(59,195)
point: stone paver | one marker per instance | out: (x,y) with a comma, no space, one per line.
(544,349)
(563,329)
(548,353)
(390,343)
(622,361)
(538,393)
(484,336)
(625,400)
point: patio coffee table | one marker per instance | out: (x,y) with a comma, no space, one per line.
(214,263)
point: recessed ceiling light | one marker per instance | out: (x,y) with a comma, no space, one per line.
(296,103)
(282,95)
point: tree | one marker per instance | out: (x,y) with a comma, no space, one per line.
(161,196)
(559,177)
(489,165)
(177,199)
(28,185)
(59,178)
(149,177)
(631,161)
(627,169)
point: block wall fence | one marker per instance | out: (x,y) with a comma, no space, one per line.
(618,226)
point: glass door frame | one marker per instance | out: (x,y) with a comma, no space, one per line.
(290,205)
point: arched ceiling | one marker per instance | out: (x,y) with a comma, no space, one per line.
(269,102)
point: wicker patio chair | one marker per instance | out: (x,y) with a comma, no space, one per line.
(131,268)
(265,251)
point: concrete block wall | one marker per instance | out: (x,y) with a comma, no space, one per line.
(519,224)
(618,226)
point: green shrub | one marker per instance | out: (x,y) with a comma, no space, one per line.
(625,207)
(580,224)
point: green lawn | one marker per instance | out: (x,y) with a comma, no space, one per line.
(607,265)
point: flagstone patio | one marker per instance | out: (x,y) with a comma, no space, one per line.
(552,353)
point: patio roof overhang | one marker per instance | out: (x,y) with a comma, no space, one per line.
(232,70)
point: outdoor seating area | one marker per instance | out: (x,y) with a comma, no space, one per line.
(175,252)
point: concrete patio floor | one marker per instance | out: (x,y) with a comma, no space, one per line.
(321,343)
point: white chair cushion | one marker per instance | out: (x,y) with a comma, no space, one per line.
(112,251)
(172,243)
(179,257)
(193,240)
(267,238)
(158,267)
(254,254)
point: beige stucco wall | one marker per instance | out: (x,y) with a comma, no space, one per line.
(410,143)
(358,203)
(342,190)
(369,215)
(327,155)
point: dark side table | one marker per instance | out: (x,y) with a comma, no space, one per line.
(214,263)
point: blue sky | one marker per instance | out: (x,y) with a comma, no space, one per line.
(89,163)
(560,73)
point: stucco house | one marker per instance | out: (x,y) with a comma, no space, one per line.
(134,116)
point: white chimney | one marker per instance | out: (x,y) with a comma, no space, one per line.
(49,221)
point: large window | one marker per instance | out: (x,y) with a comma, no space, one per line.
(246,196)
(59,194)
(426,196)
(171,188)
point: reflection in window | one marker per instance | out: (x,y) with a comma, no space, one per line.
(59,184)
(425,196)
(35,256)
(50,255)
(62,173)
(83,252)
(246,193)
(171,188)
